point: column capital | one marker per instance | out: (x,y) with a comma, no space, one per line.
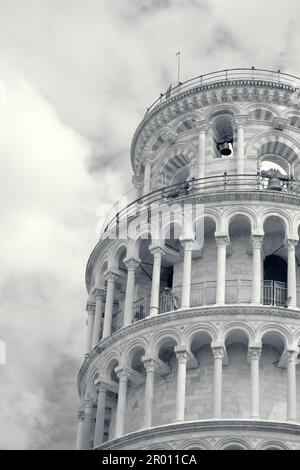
(182,354)
(221,239)
(292,355)
(89,402)
(257,241)
(111,275)
(290,243)
(131,263)
(90,308)
(122,373)
(254,352)
(218,352)
(150,364)
(137,181)
(240,120)
(80,415)
(204,127)
(102,387)
(187,243)
(147,160)
(156,250)
(96,292)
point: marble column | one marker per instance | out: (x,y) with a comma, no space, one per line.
(254,354)
(186,274)
(201,150)
(257,242)
(182,358)
(87,424)
(80,435)
(90,327)
(111,280)
(150,366)
(157,253)
(240,122)
(292,285)
(100,416)
(218,353)
(291,386)
(131,265)
(123,376)
(147,176)
(222,242)
(99,296)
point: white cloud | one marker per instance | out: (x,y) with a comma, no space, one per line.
(79,76)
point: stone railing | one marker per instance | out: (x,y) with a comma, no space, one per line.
(123,211)
(238,291)
(231,75)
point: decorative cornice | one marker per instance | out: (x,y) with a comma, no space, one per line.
(184,314)
(250,89)
(224,196)
(171,430)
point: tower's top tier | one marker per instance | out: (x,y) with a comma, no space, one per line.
(265,103)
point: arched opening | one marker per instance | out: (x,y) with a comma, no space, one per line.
(275,263)
(223,135)
(165,382)
(135,391)
(273,380)
(111,402)
(238,264)
(120,290)
(275,269)
(203,283)
(236,377)
(199,380)
(171,268)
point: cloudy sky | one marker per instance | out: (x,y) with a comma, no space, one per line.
(78,76)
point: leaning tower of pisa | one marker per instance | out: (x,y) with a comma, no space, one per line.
(193,320)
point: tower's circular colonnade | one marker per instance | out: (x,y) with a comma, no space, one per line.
(193,321)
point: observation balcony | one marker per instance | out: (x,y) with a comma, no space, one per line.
(238,292)
(228,76)
(124,210)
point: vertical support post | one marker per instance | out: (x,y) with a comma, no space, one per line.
(182,358)
(131,265)
(150,366)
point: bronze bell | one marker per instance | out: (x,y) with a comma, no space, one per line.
(274,184)
(224,147)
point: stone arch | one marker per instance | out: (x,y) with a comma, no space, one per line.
(195,329)
(132,347)
(177,221)
(107,362)
(90,379)
(194,444)
(271,445)
(160,337)
(100,269)
(116,253)
(281,331)
(175,159)
(260,106)
(280,214)
(274,142)
(209,214)
(236,327)
(234,212)
(214,111)
(159,446)
(226,442)
(192,115)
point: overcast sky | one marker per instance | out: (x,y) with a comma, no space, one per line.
(79,75)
